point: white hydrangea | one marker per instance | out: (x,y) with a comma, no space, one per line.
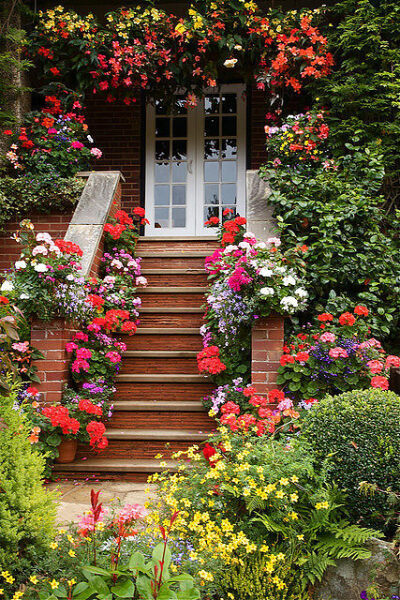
(289,280)
(267,291)
(260,246)
(20,264)
(265,272)
(6,286)
(40,250)
(24,296)
(274,241)
(301,293)
(245,245)
(40,268)
(44,237)
(249,234)
(289,302)
(281,270)
(230,249)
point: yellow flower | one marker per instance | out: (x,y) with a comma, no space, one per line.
(1,591)
(33,579)
(17,595)
(54,584)
(321,505)
(280,494)
(61,531)
(72,553)
(53,545)
(300,537)
(71,582)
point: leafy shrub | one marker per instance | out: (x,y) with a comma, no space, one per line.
(254,495)
(27,510)
(359,432)
(21,196)
(353,256)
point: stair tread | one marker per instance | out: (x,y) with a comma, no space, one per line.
(171,309)
(182,238)
(123,465)
(173,290)
(183,271)
(158,405)
(167,330)
(156,434)
(160,353)
(171,377)
(175,254)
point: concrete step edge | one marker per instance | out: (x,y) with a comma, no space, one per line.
(175,254)
(171,310)
(186,271)
(180,238)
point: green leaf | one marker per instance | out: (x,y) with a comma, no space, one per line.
(124,589)
(158,553)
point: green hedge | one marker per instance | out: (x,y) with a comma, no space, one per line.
(359,433)
(19,197)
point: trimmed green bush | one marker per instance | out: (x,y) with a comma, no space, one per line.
(20,196)
(359,433)
(27,509)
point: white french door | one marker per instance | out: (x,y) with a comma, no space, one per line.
(195,162)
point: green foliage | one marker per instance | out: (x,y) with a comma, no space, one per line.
(362,94)
(27,510)
(353,257)
(20,197)
(359,433)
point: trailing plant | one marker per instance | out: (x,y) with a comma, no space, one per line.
(334,355)
(21,196)
(358,434)
(145,48)
(259,497)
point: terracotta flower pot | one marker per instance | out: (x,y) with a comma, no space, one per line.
(67,451)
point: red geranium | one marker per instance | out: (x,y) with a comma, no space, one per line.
(347,319)
(380,382)
(68,247)
(208,361)
(325,317)
(361,311)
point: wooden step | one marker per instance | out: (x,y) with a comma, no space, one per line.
(174,260)
(158,405)
(168,331)
(160,354)
(167,391)
(171,309)
(173,290)
(120,465)
(135,420)
(175,277)
(160,378)
(144,444)
(146,341)
(179,297)
(168,244)
(158,435)
(155,365)
(176,319)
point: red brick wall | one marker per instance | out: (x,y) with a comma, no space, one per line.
(266,349)
(116,129)
(55,223)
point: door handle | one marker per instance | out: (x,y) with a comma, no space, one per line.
(190,166)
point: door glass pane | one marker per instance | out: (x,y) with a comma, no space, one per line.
(162,127)
(179,171)
(211,193)
(229,103)
(228,170)
(228,193)
(162,150)
(211,104)
(179,149)
(211,126)
(229,149)
(211,149)
(179,194)
(211,171)
(228,126)
(178,217)
(179,127)
(210,211)
(161,172)
(161,195)
(161,217)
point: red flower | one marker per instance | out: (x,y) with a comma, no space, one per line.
(286,359)
(361,311)
(32,391)
(380,382)
(54,71)
(302,356)
(325,317)
(123,217)
(208,361)
(114,230)
(212,221)
(347,319)
(68,247)
(230,408)
(128,327)
(7,132)
(240,220)
(4,300)
(227,211)
(208,452)
(95,300)
(276,396)
(139,211)
(227,238)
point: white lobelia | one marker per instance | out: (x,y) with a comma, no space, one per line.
(6,286)
(301,293)
(265,272)
(40,268)
(20,264)
(289,302)
(289,280)
(267,291)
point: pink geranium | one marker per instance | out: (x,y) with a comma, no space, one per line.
(131,512)
(71,346)
(375,366)
(238,279)
(338,353)
(114,357)
(80,365)
(392,361)
(83,353)
(327,337)
(77,145)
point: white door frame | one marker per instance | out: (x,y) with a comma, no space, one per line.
(195,166)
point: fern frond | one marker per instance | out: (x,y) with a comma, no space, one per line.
(316,566)
(355,534)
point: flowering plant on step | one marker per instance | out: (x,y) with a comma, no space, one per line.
(336,354)
(249,279)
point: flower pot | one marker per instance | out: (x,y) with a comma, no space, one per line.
(67,451)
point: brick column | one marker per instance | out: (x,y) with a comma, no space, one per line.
(266,349)
(50,337)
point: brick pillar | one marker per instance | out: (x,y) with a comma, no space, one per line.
(50,337)
(266,349)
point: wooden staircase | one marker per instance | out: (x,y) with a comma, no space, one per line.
(157,405)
